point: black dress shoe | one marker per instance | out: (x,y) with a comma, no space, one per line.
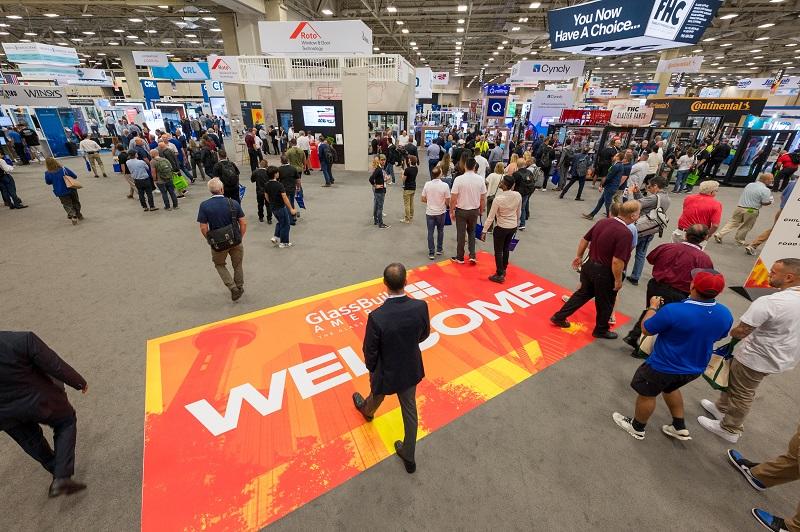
(631,341)
(564,324)
(410,466)
(358,401)
(64,486)
(608,335)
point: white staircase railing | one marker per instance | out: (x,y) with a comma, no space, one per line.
(384,67)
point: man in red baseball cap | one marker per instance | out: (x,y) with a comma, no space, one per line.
(681,351)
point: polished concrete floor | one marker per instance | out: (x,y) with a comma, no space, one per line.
(543,456)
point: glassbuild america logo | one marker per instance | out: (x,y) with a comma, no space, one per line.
(309,38)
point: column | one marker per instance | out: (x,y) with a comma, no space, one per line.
(135,91)
(354,119)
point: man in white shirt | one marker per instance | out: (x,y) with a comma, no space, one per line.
(754,196)
(483,165)
(304,143)
(111,126)
(436,197)
(636,178)
(770,343)
(654,161)
(468,199)
(92,151)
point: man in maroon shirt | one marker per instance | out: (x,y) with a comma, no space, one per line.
(672,273)
(601,275)
(250,142)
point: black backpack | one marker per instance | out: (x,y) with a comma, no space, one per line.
(525,181)
(227,172)
(580,164)
(795,157)
(330,155)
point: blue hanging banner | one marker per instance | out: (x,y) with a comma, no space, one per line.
(496,107)
(179,70)
(150,89)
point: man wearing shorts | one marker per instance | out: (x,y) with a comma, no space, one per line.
(686,335)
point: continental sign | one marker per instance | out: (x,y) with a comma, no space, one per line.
(716,106)
(248,419)
(730,107)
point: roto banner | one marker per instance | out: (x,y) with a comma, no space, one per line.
(783,243)
(224,68)
(248,419)
(537,70)
(613,27)
(315,37)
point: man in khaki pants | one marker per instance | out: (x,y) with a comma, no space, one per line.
(92,151)
(754,196)
(780,470)
(770,343)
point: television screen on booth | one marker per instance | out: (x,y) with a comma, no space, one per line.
(319,116)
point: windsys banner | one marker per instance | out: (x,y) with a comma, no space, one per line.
(250,418)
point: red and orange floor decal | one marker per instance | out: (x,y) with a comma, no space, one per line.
(250,418)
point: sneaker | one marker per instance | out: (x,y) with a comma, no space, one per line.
(430,256)
(744,466)
(153,208)
(175,208)
(672,432)
(712,409)
(457,260)
(769,521)
(565,298)
(439,252)
(497,279)
(286,245)
(473,261)
(521,227)
(261,219)
(146,209)
(634,282)
(717,238)
(167,208)
(626,424)
(236,294)
(712,425)
(587,217)
(275,240)
(579,199)
(384,226)
(750,250)
(613,319)
(74,221)
(564,324)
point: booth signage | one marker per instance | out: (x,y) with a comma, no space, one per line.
(631,115)
(92,76)
(602,92)
(536,70)
(214,88)
(33,96)
(710,92)
(181,70)
(496,107)
(62,74)
(423,87)
(644,89)
(733,107)
(440,78)
(150,89)
(558,87)
(498,90)
(40,54)
(315,37)
(225,68)
(680,64)
(755,84)
(675,91)
(150,59)
(549,104)
(614,27)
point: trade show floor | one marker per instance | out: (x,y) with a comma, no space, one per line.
(544,455)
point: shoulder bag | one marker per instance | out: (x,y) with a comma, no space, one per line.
(226,237)
(71,183)
(654,221)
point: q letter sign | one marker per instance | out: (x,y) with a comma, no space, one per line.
(614,27)
(315,37)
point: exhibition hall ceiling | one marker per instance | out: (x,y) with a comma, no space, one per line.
(747,37)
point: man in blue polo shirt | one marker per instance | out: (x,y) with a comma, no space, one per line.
(686,335)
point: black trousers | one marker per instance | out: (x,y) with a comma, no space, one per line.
(710,170)
(597,281)
(581,179)
(782,180)
(654,288)
(23,157)
(253,159)
(59,463)
(502,240)
(262,201)
(408,409)
(145,188)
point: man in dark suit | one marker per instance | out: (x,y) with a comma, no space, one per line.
(393,358)
(32,378)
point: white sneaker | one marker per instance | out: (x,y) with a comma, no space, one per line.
(286,245)
(565,298)
(275,240)
(626,425)
(613,319)
(750,250)
(718,238)
(712,409)
(672,432)
(712,425)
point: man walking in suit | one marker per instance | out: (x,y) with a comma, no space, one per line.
(393,358)
(32,378)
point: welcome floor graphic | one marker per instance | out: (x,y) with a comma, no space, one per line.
(250,418)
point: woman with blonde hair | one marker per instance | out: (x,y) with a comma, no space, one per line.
(445,165)
(528,159)
(513,164)
(55,176)
(493,184)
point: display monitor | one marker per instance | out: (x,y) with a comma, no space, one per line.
(319,116)
(5,121)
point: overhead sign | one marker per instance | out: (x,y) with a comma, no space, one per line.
(92,76)
(680,64)
(644,89)
(62,74)
(225,68)
(613,27)
(496,107)
(498,90)
(423,88)
(728,107)
(181,70)
(214,89)
(536,70)
(631,115)
(549,104)
(755,84)
(440,78)
(602,92)
(40,54)
(33,96)
(150,59)
(558,87)
(242,426)
(710,92)
(675,91)
(315,37)
(150,89)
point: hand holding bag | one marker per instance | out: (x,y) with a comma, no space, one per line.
(479,229)
(71,183)
(717,372)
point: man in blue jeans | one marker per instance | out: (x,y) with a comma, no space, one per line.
(436,197)
(281,208)
(323,150)
(656,197)
(611,184)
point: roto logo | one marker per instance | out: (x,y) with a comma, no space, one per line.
(305,31)
(221,65)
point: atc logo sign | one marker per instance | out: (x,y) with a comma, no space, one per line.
(305,31)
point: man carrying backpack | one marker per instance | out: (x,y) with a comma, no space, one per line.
(788,163)
(577,172)
(652,221)
(564,163)
(525,184)
(546,161)
(228,173)
(327,156)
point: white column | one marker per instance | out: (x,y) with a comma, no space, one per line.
(354,119)
(135,91)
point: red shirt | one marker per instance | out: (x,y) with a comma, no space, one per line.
(610,238)
(700,209)
(673,264)
(785,161)
(250,141)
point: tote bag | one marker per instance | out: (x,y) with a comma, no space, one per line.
(717,373)
(72,184)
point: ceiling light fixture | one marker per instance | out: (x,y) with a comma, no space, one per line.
(327,12)
(535,5)
(13,17)
(767,25)
(399,22)
(376,49)
(88,32)
(523,19)
(459,30)
(515,28)
(726,44)
(391,9)
(462,8)
(135,20)
(460,21)
(209,19)
(51,15)
(413,43)
(215,30)
(762,38)
(729,16)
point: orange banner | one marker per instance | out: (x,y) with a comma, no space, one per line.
(250,418)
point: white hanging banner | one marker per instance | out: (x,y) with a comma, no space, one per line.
(602,92)
(631,115)
(558,87)
(680,64)
(62,74)
(549,104)
(35,53)
(151,59)
(33,95)
(423,87)
(535,70)
(225,68)
(315,37)
(215,89)
(675,91)
(755,84)
(92,76)
(440,78)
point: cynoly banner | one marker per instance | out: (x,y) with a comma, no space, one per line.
(536,70)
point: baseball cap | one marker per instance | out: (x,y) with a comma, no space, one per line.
(708,282)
